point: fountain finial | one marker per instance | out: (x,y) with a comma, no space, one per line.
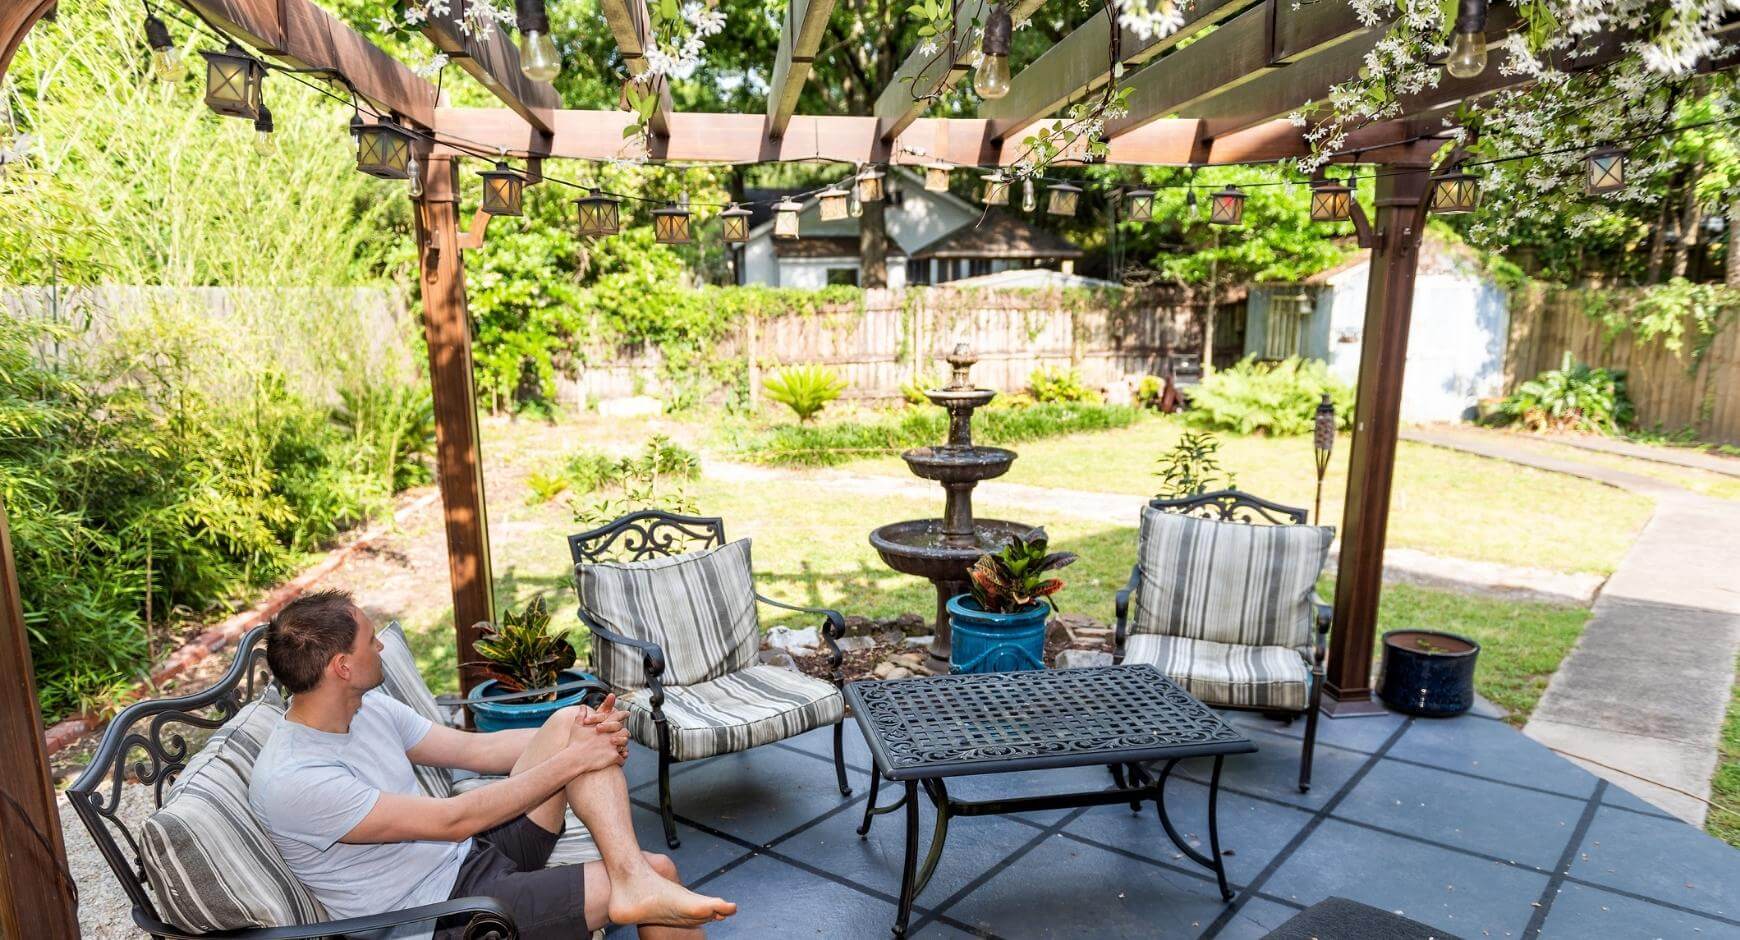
(960,360)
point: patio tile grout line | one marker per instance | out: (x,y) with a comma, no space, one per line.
(1256,885)
(1201,874)
(939,911)
(1556,880)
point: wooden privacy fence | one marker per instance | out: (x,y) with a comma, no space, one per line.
(895,337)
(1667,391)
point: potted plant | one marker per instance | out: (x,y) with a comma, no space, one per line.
(1427,672)
(1000,625)
(529,668)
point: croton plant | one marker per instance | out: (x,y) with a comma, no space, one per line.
(1019,576)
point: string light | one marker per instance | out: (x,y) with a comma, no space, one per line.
(1454,192)
(991,78)
(671,224)
(736,223)
(1029,201)
(232,82)
(384,149)
(785,218)
(1139,205)
(1227,207)
(1331,201)
(166,60)
(539,60)
(1468,50)
(1063,199)
(870,188)
(414,176)
(502,190)
(936,177)
(833,203)
(263,132)
(1604,170)
(599,214)
(996,189)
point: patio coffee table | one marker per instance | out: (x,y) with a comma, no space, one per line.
(922,731)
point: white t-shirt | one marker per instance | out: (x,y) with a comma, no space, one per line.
(311,787)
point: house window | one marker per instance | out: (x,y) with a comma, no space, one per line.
(917,271)
(842,277)
(1287,315)
(978,266)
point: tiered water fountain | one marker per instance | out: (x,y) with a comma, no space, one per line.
(941,550)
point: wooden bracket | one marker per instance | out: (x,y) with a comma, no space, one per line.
(473,237)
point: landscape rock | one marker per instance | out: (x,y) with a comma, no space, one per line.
(912,624)
(779,658)
(915,642)
(1076,659)
(858,626)
(797,642)
(1078,622)
(898,673)
(883,669)
(849,644)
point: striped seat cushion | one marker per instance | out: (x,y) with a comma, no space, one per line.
(209,862)
(756,706)
(1229,582)
(698,607)
(403,681)
(1227,673)
(575,846)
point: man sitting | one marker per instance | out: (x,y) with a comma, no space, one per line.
(335,788)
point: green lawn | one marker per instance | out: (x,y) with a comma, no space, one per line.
(811,547)
(1723,820)
(1443,502)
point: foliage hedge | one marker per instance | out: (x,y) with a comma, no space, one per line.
(824,445)
(1278,399)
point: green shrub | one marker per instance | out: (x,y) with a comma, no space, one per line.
(593,471)
(1060,385)
(1150,392)
(806,390)
(1278,399)
(1571,397)
(822,445)
(1192,467)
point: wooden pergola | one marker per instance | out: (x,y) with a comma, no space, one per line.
(1222,99)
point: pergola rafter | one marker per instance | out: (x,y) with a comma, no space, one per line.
(805,23)
(631,23)
(495,64)
(923,76)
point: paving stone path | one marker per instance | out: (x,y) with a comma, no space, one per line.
(1646,687)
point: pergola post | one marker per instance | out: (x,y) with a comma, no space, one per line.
(458,456)
(1389,301)
(36,897)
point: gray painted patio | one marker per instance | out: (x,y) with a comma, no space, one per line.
(1462,824)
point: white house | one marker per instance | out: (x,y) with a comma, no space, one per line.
(933,238)
(1456,337)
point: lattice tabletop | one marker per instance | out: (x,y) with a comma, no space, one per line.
(945,726)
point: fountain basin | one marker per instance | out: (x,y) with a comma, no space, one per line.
(915,546)
(953,464)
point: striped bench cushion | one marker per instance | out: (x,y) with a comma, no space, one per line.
(575,846)
(403,681)
(732,713)
(1225,673)
(1229,582)
(699,607)
(210,863)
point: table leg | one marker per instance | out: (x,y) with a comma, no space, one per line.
(939,798)
(1214,862)
(909,864)
(1214,830)
(870,806)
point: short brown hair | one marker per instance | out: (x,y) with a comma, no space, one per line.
(306,634)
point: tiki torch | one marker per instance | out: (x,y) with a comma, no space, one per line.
(1323,441)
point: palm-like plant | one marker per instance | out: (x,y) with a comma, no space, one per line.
(522,653)
(1016,578)
(804,389)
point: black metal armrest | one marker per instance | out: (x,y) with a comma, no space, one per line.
(1122,606)
(652,659)
(495,918)
(1324,616)
(833,628)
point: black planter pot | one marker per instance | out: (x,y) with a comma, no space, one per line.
(1428,673)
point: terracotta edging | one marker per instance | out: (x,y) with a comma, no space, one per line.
(231,628)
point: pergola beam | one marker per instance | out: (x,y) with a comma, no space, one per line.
(631,24)
(1078,65)
(922,76)
(495,64)
(805,22)
(302,34)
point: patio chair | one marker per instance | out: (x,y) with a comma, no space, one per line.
(1228,609)
(201,865)
(675,631)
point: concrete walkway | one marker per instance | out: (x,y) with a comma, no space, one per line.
(1677,456)
(1647,685)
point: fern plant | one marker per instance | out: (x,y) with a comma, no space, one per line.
(1278,399)
(523,654)
(1572,397)
(806,390)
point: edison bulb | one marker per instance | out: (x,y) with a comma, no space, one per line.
(263,143)
(991,79)
(539,60)
(414,176)
(1467,55)
(168,64)
(1029,201)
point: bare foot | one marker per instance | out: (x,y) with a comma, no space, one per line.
(650,899)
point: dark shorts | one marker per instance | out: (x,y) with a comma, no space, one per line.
(507,863)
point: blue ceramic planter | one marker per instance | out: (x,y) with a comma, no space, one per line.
(501,716)
(987,642)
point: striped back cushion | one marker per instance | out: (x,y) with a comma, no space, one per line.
(1228,582)
(210,864)
(698,607)
(403,681)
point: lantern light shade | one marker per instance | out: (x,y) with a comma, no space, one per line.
(785,218)
(384,150)
(1139,205)
(1227,207)
(1063,199)
(1331,202)
(833,201)
(996,189)
(1455,192)
(870,188)
(671,225)
(232,82)
(1604,170)
(599,214)
(936,177)
(736,221)
(502,189)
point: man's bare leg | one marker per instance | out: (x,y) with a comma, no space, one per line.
(638,893)
(598,900)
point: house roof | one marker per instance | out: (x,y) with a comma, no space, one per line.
(1029,278)
(839,246)
(1000,235)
